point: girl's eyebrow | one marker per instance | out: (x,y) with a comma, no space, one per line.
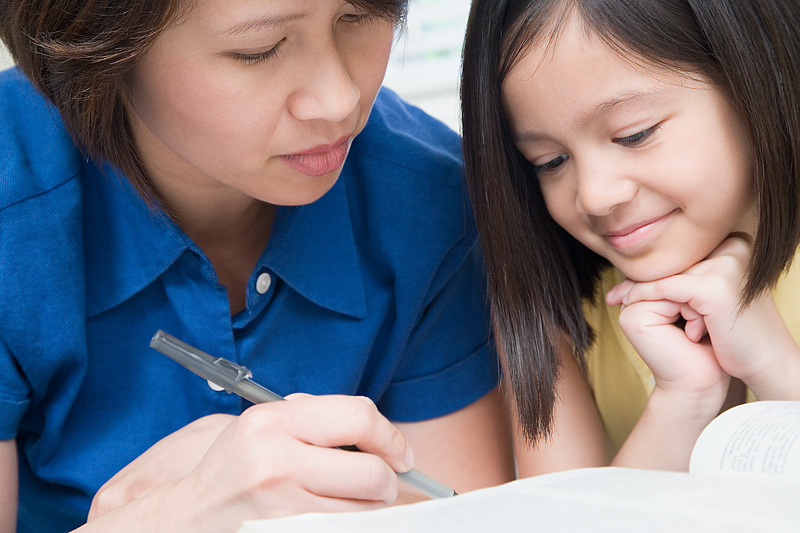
(628,99)
(260,23)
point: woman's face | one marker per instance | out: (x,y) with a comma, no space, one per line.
(261,98)
(649,168)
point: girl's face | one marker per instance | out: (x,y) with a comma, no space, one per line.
(649,168)
(259,98)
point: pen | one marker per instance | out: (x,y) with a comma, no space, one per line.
(236,379)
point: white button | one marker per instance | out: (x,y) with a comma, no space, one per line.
(263,282)
(215,386)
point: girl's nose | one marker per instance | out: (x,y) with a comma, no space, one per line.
(601,187)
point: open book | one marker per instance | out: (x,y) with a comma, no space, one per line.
(724,491)
(754,438)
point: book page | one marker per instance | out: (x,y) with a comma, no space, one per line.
(754,438)
(592,499)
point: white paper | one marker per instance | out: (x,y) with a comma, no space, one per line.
(593,499)
(754,438)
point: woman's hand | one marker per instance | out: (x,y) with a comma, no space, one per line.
(745,343)
(170,459)
(273,460)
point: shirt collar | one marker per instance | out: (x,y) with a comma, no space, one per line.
(313,250)
(128,245)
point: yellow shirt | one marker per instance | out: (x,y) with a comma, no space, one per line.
(621,381)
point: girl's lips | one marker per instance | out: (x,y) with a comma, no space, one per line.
(321,159)
(636,234)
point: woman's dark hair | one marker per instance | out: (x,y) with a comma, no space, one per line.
(80,53)
(539,274)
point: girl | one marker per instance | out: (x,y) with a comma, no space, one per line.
(181,165)
(635,177)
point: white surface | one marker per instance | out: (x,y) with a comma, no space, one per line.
(612,500)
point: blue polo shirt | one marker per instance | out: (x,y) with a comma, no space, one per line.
(375,289)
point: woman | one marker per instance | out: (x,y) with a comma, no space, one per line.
(181,166)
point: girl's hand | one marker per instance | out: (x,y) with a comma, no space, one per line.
(682,361)
(277,459)
(745,343)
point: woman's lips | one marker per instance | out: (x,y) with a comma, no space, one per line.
(635,234)
(321,159)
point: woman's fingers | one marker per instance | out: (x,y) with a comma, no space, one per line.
(279,458)
(350,475)
(330,421)
(273,460)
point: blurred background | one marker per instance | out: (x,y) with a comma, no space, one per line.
(5,59)
(426,61)
(425,64)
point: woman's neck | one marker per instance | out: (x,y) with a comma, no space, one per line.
(231,228)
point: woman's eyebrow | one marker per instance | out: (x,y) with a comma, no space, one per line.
(260,23)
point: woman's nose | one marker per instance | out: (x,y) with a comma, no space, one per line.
(326,92)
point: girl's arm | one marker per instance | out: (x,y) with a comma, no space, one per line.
(662,439)
(8,489)
(689,331)
(577,440)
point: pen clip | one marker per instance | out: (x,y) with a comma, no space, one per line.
(242,372)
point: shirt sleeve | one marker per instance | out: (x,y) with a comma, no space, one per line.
(14,393)
(451,359)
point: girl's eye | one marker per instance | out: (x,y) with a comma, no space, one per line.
(550,165)
(256,58)
(637,138)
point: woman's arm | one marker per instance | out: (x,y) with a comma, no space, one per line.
(466,450)
(273,460)
(8,489)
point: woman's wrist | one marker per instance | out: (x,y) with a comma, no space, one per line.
(166,508)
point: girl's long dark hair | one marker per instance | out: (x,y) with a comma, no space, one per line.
(538,274)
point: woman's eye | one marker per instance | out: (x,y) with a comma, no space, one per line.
(256,58)
(358,18)
(637,138)
(550,165)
